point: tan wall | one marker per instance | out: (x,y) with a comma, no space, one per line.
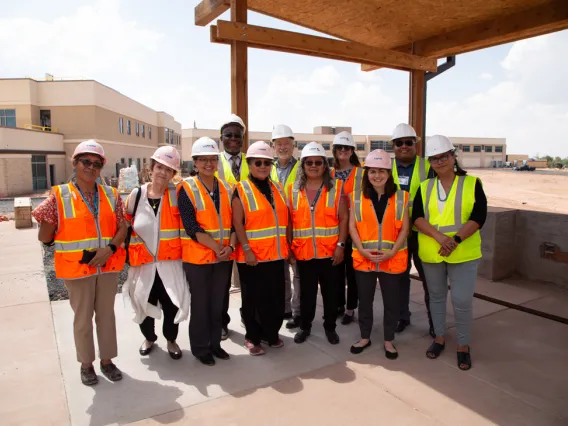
(18,92)
(540,164)
(22,139)
(75,122)
(517,157)
(15,174)
(60,163)
(107,128)
(23,114)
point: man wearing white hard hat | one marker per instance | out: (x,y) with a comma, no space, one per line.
(85,222)
(156,284)
(208,245)
(449,211)
(285,171)
(233,167)
(409,170)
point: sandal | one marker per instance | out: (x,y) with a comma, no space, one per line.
(435,350)
(464,359)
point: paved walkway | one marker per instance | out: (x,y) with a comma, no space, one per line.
(519,375)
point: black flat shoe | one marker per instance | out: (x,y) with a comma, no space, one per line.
(347,319)
(293,323)
(301,336)
(206,360)
(332,337)
(358,349)
(176,354)
(391,355)
(435,350)
(401,326)
(464,360)
(221,354)
(145,350)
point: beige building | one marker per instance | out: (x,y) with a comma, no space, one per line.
(41,123)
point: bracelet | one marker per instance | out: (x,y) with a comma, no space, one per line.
(232,248)
(246,247)
(49,244)
(340,244)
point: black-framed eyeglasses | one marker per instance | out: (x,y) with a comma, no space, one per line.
(407,142)
(343,147)
(265,163)
(88,163)
(233,135)
(310,163)
(440,159)
(206,160)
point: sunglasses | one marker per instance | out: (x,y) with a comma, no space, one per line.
(265,163)
(440,159)
(408,142)
(310,163)
(233,135)
(89,163)
(343,148)
(206,160)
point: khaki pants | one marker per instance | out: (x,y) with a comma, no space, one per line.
(88,296)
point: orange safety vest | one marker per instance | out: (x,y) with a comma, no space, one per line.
(354,182)
(265,226)
(375,236)
(315,231)
(169,243)
(79,230)
(217,226)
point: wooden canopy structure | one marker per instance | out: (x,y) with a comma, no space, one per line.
(408,35)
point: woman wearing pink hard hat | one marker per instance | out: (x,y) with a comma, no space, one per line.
(85,222)
(155,278)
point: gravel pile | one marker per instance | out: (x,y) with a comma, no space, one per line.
(55,287)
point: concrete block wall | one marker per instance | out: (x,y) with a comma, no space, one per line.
(498,244)
(15,175)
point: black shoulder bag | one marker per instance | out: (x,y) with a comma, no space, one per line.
(129,232)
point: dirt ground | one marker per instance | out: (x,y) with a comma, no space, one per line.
(541,191)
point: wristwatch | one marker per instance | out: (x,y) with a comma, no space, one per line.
(232,247)
(340,244)
(113,248)
(246,247)
(457,239)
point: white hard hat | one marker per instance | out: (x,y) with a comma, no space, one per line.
(204,146)
(378,159)
(438,144)
(282,131)
(234,119)
(168,156)
(404,130)
(260,149)
(90,146)
(344,138)
(313,149)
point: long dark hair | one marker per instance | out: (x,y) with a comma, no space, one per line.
(459,171)
(354,159)
(368,190)
(302,179)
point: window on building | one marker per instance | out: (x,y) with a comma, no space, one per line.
(149,132)
(488,148)
(301,145)
(326,146)
(137,129)
(130,162)
(122,160)
(121,125)
(384,145)
(138,164)
(128,127)
(466,148)
(39,172)
(8,117)
(144,161)
(360,147)
(167,135)
(476,148)
(499,148)
(143,131)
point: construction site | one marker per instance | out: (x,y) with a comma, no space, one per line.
(520,306)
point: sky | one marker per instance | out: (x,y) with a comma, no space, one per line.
(157,56)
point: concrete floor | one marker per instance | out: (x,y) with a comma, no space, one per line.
(519,374)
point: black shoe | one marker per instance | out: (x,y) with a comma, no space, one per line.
(175,354)
(301,336)
(340,311)
(145,349)
(347,319)
(220,353)
(293,323)
(224,333)
(401,326)
(332,337)
(287,315)
(391,355)
(358,349)
(207,360)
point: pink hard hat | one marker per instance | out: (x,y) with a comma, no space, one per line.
(89,147)
(260,149)
(168,156)
(378,159)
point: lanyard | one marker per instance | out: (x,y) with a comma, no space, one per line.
(95,202)
(316,198)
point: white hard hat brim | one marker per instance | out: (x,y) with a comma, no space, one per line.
(89,152)
(260,156)
(417,138)
(177,169)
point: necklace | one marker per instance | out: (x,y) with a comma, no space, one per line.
(211,193)
(447,194)
(154,203)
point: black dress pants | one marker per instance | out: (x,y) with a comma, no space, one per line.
(158,294)
(262,288)
(342,271)
(311,272)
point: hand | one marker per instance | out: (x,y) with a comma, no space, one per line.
(224,253)
(385,255)
(250,258)
(291,257)
(373,256)
(338,255)
(447,246)
(101,257)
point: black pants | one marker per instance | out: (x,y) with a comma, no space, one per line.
(262,288)
(169,329)
(367,283)
(405,285)
(312,272)
(207,284)
(341,271)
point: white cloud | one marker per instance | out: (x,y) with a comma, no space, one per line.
(486,76)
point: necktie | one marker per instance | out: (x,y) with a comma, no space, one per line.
(235,167)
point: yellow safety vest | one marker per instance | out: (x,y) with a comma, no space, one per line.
(419,175)
(458,208)
(291,177)
(225,172)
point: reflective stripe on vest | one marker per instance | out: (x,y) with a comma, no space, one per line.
(457,209)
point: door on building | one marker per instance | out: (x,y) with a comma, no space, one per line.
(52,174)
(45,119)
(39,172)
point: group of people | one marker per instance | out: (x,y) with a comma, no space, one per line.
(289,224)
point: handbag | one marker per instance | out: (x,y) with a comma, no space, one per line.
(129,231)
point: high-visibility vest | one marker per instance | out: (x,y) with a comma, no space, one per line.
(216,225)
(225,171)
(419,175)
(265,227)
(79,230)
(169,243)
(375,236)
(289,180)
(354,182)
(315,231)
(457,210)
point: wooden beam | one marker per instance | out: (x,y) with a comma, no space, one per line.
(319,46)
(416,106)
(209,10)
(239,69)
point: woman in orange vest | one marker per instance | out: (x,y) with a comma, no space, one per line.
(85,222)
(319,220)
(260,218)
(379,225)
(208,245)
(347,168)
(155,278)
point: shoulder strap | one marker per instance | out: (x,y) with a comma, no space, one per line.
(129,231)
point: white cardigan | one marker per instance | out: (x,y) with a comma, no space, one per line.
(138,285)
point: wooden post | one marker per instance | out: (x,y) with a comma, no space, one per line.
(239,69)
(417,107)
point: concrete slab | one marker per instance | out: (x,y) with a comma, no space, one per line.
(555,305)
(19,288)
